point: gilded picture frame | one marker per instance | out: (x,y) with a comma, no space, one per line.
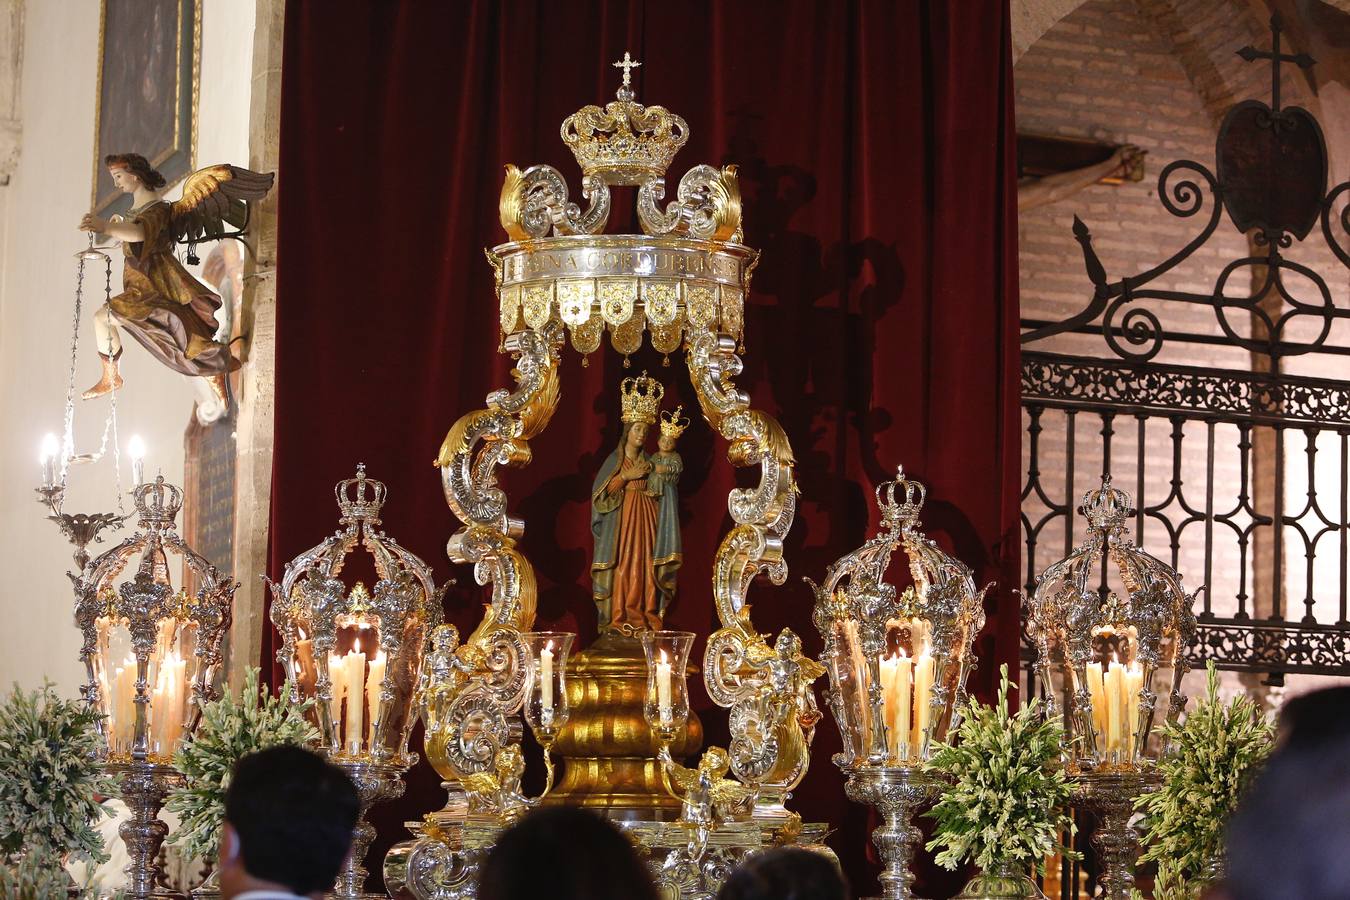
(149,84)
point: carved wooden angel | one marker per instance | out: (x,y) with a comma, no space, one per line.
(170,313)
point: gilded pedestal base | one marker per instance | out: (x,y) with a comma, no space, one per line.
(610,752)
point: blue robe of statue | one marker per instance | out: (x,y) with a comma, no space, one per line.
(607,510)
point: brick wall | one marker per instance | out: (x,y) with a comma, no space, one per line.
(1160,74)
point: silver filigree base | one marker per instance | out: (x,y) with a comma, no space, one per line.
(898,793)
(1112,795)
(375,782)
(144,786)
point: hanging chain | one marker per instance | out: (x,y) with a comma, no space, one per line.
(110,424)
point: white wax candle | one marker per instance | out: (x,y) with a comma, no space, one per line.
(337,675)
(546,677)
(663,704)
(923,689)
(1115,689)
(374,685)
(1134,683)
(889,699)
(356,679)
(904,674)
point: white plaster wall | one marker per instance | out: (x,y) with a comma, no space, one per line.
(41,207)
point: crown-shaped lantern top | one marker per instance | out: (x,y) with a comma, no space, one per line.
(901,501)
(1106,508)
(672,423)
(624,143)
(360,498)
(641,398)
(157,504)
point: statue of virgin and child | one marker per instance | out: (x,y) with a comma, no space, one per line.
(635,514)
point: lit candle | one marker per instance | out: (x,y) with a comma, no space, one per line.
(902,687)
(889,699)
(1115,689)
(50,449)
(1134,683)
(663,704)
(136,450)
(923,689)
(356,677)
(546,678)
(374,686)
(337,676)
(124,705)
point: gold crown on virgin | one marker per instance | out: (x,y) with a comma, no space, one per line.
(641,398)
(626,142)
(672,423)
(360,498)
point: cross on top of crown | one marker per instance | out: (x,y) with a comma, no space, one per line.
(627,64)
(1251,54)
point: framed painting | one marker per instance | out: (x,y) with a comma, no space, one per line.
(148,72)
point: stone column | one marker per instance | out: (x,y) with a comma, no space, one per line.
(253,482)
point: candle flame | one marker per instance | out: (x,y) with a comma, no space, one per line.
(50,447)
(136,447)
(358,646)
(664,658)
(549,648)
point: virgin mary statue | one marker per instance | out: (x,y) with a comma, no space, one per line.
(637,548)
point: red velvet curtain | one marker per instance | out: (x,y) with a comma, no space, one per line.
(875,146)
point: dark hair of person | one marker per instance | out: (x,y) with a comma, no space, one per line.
(786,873)
(294,813)
(1312,719)
(1288,838)
(564,853)
(139,166)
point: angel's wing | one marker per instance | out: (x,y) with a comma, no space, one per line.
(480,783)
(214,198)
(683,778)
(726,792)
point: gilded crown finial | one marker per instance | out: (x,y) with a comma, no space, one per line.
(1107,507)
(901,499)
(157,503)
(625,143)
(627,64)
(641,398)
(672,423)
(360,498)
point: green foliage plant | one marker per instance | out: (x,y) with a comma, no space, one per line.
(49,778)
(1006,804)
(1210,760)
(229,729)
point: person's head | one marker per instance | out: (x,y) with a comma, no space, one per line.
(289,816)
(1288,839)
(564,853)
(786,873)
(1311,719)
(130,171)
(665,443)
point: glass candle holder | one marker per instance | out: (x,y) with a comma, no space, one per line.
(545,707)
(666,708)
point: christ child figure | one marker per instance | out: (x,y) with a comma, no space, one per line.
(667,466)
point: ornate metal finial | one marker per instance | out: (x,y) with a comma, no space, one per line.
(1106,508)
(902,512)
(157,504)
(363,502)
(627,64)
(1251,54)
(624,143)
(641,398)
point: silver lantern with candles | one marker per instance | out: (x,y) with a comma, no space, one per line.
(1110,624)
(357,652)
(898,662)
